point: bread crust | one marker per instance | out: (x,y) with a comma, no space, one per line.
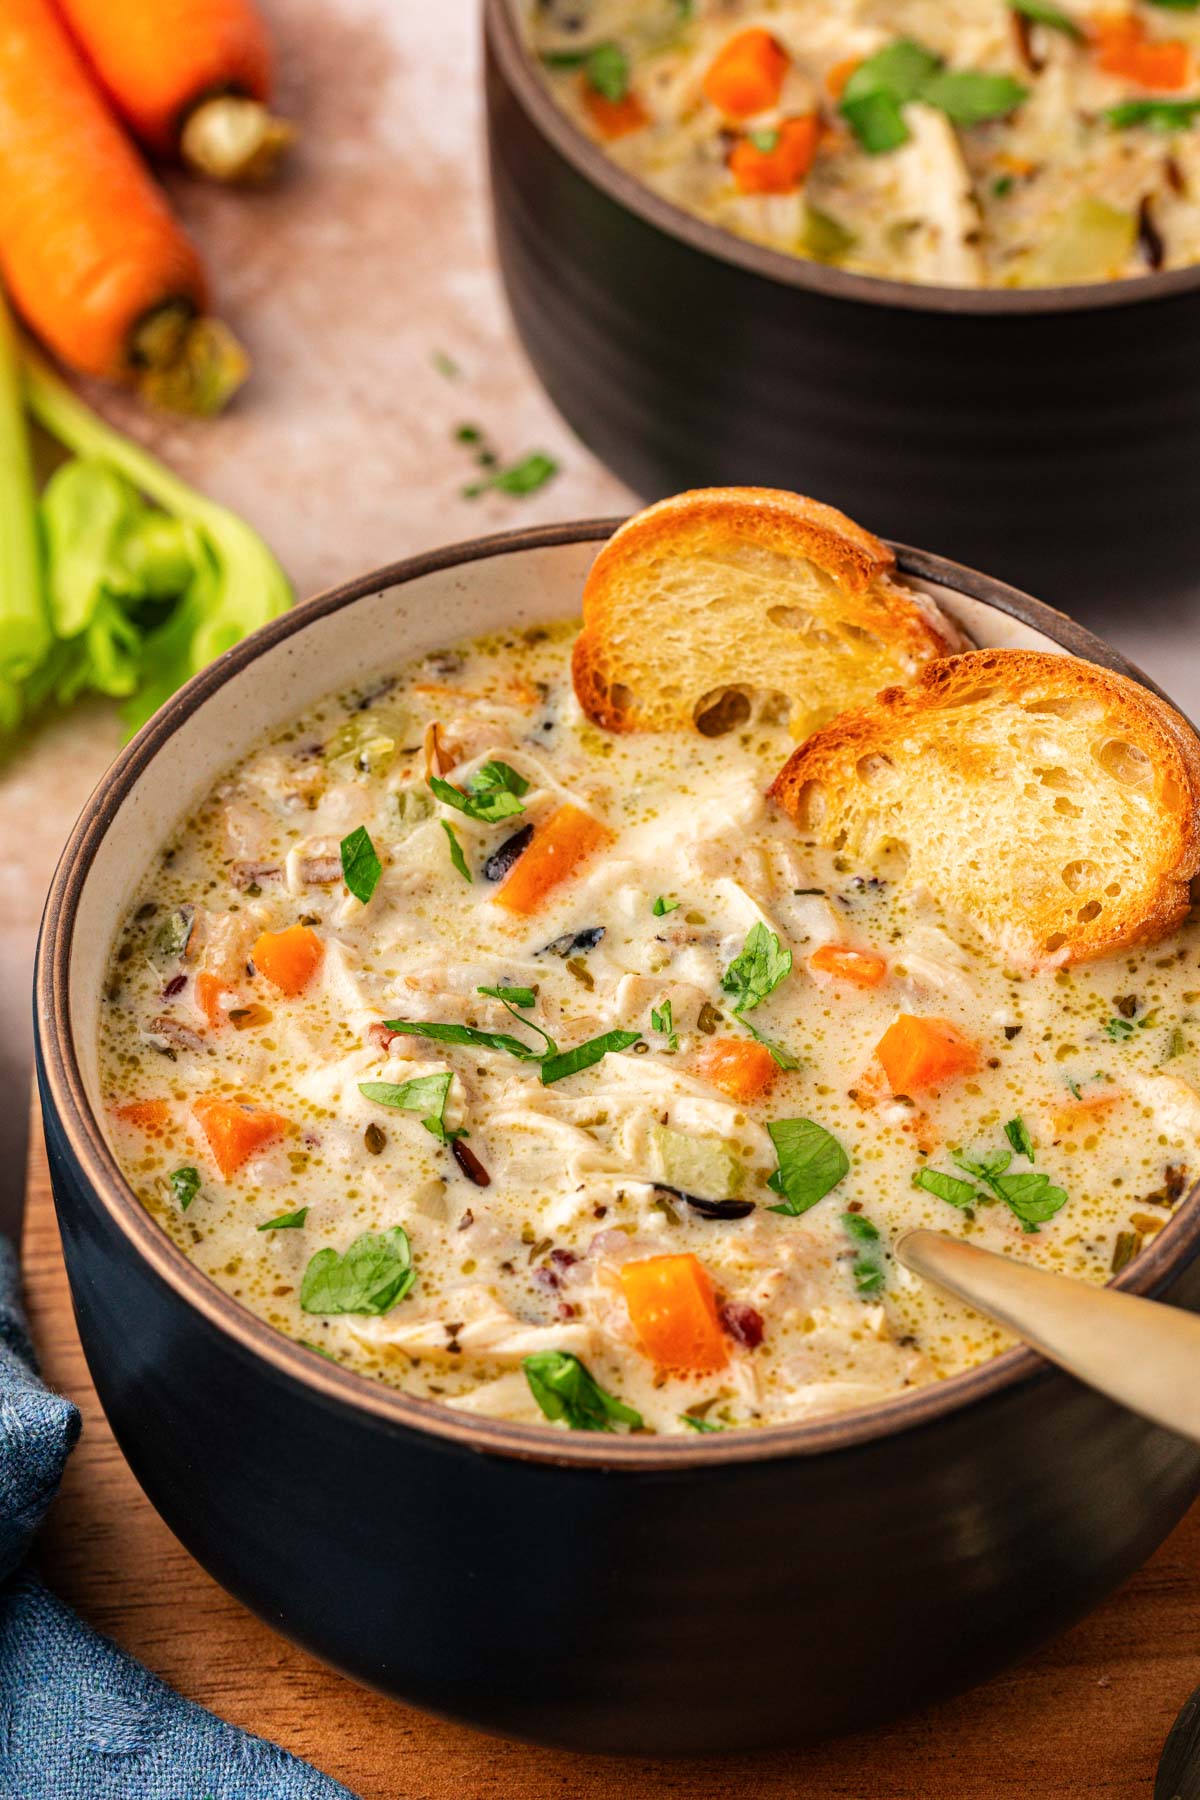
(898,727)
(715,523)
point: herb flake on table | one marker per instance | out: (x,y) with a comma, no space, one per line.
(811,1162)
(369,1278)
(565,1390)
(361,867)
(519,478)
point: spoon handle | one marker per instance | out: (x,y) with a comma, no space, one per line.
(1139,1352)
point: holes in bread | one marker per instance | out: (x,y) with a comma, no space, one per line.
(1055,941)
(860,638)
(1113,888)
(1091,911)
(810,806)
(720,710)
(1067,808)
(1058,780)
(1080,874)
(976,696)
(620,697)
(875,770)
(1125,763)
(794,618)
(1074,706)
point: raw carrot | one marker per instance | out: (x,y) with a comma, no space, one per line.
(190,77)
(738,1066)
(1122,48)
(923,1053)
(613,118)
(88,248)
(865,968)
(235,1131)
(776,162)
(208,998)
(558,846)
(149,1115)
(288,958)
(673,1310)
(746,76)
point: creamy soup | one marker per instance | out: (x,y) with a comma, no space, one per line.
(551,1074)
(970,142)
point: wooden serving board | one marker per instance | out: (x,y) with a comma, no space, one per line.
(1087,1717)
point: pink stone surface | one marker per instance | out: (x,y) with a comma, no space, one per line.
(343,280)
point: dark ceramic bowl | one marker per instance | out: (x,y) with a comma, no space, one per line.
(1051,435)
(599,1592)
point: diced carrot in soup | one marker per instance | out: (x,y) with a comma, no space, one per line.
(288,958)
(613,118)
(557,848)
(839,75)
(673,1310)
(148,1115)
(738,1066)
(746,76)
(1123,48)
(923,1053)
(865,968)
(235,1131)
(776,162)
(208,999)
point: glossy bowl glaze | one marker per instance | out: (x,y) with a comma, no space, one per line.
(615,1593)
(1049,435)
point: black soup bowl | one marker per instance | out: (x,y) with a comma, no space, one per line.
(1049,434)
(600,1592)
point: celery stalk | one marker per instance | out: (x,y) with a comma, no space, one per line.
(24,627)
(238,584)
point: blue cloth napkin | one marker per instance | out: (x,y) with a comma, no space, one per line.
(80,1720)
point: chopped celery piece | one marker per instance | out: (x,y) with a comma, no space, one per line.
(1092,242)
(24,627)
(696,1165)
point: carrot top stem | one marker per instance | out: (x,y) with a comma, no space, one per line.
(230,137)
(187,367)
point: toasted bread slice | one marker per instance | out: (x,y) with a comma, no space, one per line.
(701,607)
(1050,802)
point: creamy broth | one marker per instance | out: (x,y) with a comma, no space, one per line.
(1093,1069)
(1087,167)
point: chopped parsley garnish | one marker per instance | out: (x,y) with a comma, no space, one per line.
(425,1094)
(1158,115)
(286,1221)
(1040,13)
(867,1267)
(1119,1029)
(662,906)
(607,71)
(662,1020)
(375,1272)
(361,867)
(564,1389)
(697,1424)
(456,851)
(185,1185)
(307,1344)
(1017,1133)
(811,1161)
(757,970)
(555,1064)
(947,1187)
(1029,1195)
(511,996)
(583,1056)
(873,99)
(519,478)
(492,793)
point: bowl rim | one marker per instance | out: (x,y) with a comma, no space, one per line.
(62,1091)
(503,35)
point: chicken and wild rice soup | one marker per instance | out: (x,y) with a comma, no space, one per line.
(552,1074)
(976,143)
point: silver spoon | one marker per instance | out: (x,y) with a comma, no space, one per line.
(1139,1352)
